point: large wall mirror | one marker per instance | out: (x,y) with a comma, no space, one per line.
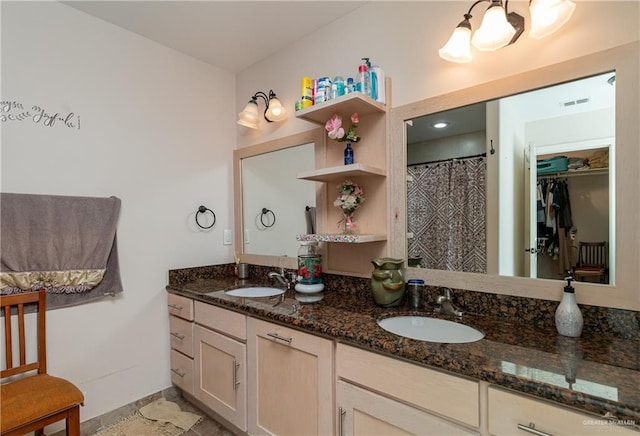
(510,152)
(552,147)
(272,206)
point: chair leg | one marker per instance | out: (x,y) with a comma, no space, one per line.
(73,422)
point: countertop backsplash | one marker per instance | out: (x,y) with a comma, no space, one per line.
(609,322)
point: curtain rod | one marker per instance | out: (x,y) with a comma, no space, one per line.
(450,159)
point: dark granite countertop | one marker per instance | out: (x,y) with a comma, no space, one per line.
(604,371)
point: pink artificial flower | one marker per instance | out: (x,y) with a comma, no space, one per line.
(334,127)
(354,118)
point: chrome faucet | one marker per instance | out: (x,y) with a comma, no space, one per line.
(446,306)
(286,279)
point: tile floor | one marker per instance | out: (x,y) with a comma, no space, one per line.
(206,427)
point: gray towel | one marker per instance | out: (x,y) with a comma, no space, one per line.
(64,244)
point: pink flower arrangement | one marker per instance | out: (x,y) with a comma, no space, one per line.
(336,131)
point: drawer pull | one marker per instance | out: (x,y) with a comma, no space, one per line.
(236,382)
(281,338)
(178,373)
(175,307)
(177,336)
(341,413)
(531,428)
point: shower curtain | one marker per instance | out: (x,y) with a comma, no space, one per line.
(447,214)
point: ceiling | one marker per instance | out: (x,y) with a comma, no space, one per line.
(588,94)
(231,35)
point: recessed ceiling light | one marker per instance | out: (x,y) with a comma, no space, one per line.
(440,125)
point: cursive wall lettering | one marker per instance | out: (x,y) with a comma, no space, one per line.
(15,111)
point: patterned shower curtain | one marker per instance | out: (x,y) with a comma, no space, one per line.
(447,214)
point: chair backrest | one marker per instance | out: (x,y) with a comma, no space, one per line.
(592,254)
(13,307)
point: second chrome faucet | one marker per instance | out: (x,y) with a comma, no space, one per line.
(446,306)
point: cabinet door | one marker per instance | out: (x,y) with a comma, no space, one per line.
(290,381)
(181,335)
(362,413)
(220,375)
(182,371)
(180,306)
(511,413)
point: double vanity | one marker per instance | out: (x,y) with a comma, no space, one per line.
(270,365)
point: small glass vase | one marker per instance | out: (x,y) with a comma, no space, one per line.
(349,225)
(348,154)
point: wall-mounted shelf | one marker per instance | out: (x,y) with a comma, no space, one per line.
(341,172)
(345,104)
(342,238)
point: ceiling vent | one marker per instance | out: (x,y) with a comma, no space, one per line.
(575,102)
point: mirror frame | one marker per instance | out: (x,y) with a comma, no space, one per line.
(624,294)
(318,138)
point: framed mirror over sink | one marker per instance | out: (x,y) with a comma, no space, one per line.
(532,120)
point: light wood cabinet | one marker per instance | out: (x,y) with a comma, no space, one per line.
(220,359)
(362,413)
(181,340)
(515,414)
(451,398)
(290,379)
(352,253)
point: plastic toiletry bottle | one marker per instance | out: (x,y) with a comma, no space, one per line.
(568,316)
(350,87)
(377,77)
(337,87)
(363,79)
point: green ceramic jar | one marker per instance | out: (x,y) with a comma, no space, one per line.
(387,281)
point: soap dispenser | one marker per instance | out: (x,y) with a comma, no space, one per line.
(568,315)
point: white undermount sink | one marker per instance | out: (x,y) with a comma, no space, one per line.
(255,292)
(424,328)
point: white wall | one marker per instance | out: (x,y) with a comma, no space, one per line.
(404,38)
(157,131)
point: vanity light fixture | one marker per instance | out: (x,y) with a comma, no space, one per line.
(500,28)
(273,112)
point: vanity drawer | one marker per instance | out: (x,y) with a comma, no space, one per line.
(182,371)
(509,410)
(223,320)
(448,395)
(180,306)
(181,335)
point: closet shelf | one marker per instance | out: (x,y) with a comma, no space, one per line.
(575,173)
(343,238)
(345,104)
(341,172)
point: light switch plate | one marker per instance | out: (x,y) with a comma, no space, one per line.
(227,236)
(246,236)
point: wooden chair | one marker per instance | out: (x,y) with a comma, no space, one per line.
(592,262)
(29,402)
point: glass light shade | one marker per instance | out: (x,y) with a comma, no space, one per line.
(547,16)
(275,112)
(458,48)
(249,115)
(495,31)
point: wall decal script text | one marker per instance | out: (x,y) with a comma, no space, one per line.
(15,111)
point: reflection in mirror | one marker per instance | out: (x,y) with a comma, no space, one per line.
(551,150)
(276,205)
